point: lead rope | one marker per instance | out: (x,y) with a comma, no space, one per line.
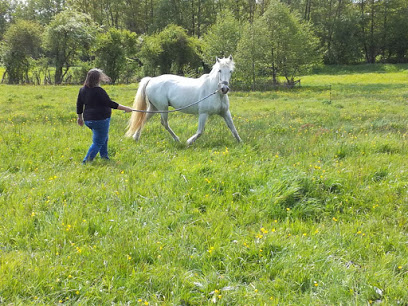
(174,110)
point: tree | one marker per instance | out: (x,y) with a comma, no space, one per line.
(279,43)
(67,36)
(335,23)
(343,46)
(222,38)
(249,55)
(41,11)
(5,10)
(138,15)
(242,10)
(369,29)
(113,50)
(170,51)
(21,43)
(396,39)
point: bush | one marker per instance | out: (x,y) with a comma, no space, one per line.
(21,43)
(113,52)
(170,51)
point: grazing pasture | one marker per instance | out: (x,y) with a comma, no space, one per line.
(310,209)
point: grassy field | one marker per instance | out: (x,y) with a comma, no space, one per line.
(310,210)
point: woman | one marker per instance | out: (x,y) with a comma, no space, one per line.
(97,112)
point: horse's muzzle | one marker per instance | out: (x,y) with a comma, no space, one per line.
(223,87)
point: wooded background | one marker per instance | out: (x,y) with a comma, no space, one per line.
(57,41)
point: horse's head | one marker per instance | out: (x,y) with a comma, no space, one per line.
(225,67)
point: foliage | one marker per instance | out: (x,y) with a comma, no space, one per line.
(279,43)
(222,38)
(170,51)
(396,41)
(195,15)
(379,22)
(309,210)
(5,8)
(349,31)
(346,32)
(41,72)
(337,23)
(67,36)
(344,45)
(21,43)
(114,51)
(249,54)
(41,11)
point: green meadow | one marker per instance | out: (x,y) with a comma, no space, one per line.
(311,209)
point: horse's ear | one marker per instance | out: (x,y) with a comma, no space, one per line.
(230,57)
(217,59)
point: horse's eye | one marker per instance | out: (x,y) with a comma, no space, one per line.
(219,71)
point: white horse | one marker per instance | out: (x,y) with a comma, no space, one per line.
(158,93)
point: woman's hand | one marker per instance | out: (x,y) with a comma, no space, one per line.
(80,120)
(125,108)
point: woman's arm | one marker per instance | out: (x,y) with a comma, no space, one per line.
(107,100)
(80,109)
(125,108)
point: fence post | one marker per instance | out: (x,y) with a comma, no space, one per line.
(330,93)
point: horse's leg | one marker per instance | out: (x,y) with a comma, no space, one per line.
(150,108)
(165,123)
(228,120)
(201,123)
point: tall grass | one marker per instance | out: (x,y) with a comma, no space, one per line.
(310,209)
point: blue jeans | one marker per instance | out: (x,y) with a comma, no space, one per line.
(100,135)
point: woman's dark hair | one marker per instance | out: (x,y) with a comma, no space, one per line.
(94,77)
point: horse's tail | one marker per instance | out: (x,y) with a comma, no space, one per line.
(137,119)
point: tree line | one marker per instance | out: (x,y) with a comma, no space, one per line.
(57,41)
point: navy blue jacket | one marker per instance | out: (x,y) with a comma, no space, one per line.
(98,105)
